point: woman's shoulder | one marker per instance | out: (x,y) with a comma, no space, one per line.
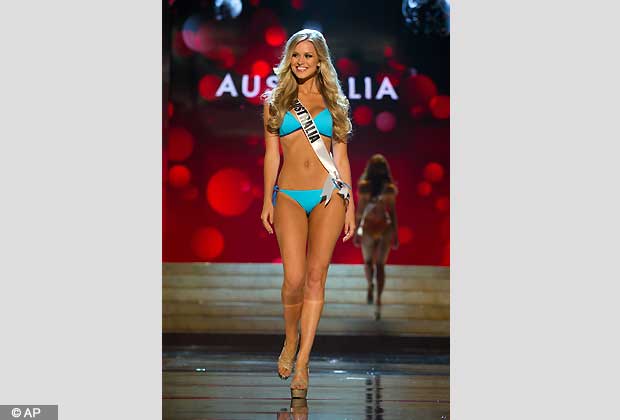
(390,188)
(363,187)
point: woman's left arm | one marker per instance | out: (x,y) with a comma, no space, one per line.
(341,159)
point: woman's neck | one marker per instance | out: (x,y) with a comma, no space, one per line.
(308,86)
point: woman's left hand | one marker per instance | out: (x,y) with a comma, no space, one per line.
(349,223)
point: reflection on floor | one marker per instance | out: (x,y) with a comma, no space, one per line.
(205,382)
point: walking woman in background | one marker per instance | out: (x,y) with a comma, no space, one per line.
(308,115)
(377,225)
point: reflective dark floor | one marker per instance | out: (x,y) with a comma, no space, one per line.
(205,382)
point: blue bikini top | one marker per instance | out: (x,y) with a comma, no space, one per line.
(323,123)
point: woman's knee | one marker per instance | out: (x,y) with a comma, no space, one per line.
(316,276)
(293,283)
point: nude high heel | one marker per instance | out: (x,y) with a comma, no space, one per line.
(299,387)
(286,360)
(292,313)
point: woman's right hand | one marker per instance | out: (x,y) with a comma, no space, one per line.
(267,216)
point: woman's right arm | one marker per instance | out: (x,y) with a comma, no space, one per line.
(270,170)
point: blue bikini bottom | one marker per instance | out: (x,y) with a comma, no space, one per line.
(307,199)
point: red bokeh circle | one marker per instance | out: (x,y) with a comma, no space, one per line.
(440,107)
(386,121)
(224,56)
(208,243)
(261,68)
(433,172)
(180,143)
(405,235)
(229,192)
(442,204)
(362,115)
(207,86)
(297,4)
(347,67)
(179,176)
(418,90)
(275,36)
(424,189)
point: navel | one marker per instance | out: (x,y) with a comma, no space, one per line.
(307,163)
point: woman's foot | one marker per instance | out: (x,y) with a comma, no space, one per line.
(285,361)
(299,385)
(371,289)
(378,311)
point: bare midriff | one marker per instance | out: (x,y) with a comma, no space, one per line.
(301,168)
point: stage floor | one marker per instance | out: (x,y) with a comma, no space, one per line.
(204,382)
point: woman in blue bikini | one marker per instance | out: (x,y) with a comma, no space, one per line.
(307,114)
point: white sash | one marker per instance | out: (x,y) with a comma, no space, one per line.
(333,181)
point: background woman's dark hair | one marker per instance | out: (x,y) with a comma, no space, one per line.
(377,175)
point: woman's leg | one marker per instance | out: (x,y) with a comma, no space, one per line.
(291,227)
(325,226)
(383,250)
(369,246)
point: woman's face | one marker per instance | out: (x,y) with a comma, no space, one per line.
(304,60)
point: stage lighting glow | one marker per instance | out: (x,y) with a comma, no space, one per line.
(260,68)
(208,243)
(442,204)
(440,107)
(257,192)
(253,140)
(254,2)
(313,24)
(208,86)
(180,143)
(347,67)
(190,28)
(179,176)
(297,4)
(275,36)
(445,260)
(405,235)
(433,172)
(418,90)
(362,115)
(427,17)
(386,121)
(388,51)
(224,56)
(170,109)
(227,9)
(424,189)
(203,40)
(396,65)
(229,192)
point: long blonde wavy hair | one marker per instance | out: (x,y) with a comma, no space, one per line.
(281,98)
